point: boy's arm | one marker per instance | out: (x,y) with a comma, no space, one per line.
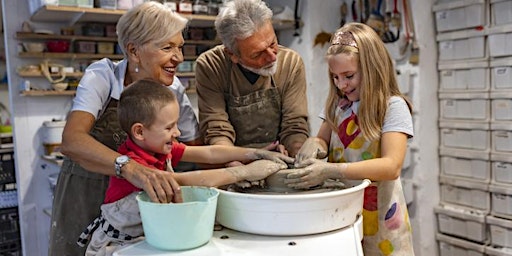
(254,171)
(219,154)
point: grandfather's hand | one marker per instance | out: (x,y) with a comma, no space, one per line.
(160,186)
(276,146)
(313,173)
(256,170)
(273,156)
(312,148)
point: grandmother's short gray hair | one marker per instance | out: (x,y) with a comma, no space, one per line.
(148,22)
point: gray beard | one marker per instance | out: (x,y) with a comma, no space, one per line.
(267,71)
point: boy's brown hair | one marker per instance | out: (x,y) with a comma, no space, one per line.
(140,102)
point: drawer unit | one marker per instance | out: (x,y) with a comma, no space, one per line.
(465,135)
(451,246)
(501,109)
(501,200)
(466,193)
(466,167)
(500,231)
(465,106)
(500,41)
(460,14)
(462,223)
(501,12)
(464,76)
(501,74)
(498,251)
(462,45)
(501,137)
(501,168)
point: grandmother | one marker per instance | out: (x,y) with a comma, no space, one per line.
(150,36)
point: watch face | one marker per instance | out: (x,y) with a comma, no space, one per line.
(122,159)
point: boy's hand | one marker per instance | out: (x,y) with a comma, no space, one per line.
(272,156)
(256,170)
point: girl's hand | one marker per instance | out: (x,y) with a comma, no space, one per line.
(312,148)
(314,172)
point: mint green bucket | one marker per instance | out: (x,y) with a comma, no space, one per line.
(179,226)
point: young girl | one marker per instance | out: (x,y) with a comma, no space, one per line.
(148,112)
(367,123)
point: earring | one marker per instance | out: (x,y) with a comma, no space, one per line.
(137,69)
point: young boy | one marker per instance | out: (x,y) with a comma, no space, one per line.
(148,112)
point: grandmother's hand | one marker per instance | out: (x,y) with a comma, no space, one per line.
(160,186)
(312,148)
(313,172)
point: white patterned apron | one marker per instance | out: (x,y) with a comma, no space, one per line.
(386,226)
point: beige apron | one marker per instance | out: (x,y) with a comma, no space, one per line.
(79,193)
(386,226)
(256,117)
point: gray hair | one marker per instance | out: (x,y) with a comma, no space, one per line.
(149,21)
(239,20)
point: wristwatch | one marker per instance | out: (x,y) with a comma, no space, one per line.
(120,162)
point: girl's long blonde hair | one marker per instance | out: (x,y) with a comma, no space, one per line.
(378,79)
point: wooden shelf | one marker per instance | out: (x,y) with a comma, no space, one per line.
(68,55)
(37,36)
(185,74)
(72,15)
(48,93)
(39,74)
(27,35)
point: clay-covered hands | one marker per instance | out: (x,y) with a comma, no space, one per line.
(160,186)
(272,156)
(256,170)
(313,172)
(314,148)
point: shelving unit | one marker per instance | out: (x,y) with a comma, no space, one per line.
(72,15)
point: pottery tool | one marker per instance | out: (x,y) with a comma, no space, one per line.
(414,58)
(376,20)
(343,13)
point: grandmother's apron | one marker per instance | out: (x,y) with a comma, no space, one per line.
(79,193)
(256,117)
(386,225)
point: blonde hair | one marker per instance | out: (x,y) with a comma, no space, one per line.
(378,80)
(147,22)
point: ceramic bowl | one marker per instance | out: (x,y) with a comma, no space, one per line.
(34,47)
(60,86)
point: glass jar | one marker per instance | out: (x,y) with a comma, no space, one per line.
(185,7)
(200,7)
(213,7)
(171,4)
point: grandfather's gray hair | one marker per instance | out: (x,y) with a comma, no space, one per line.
(239,20)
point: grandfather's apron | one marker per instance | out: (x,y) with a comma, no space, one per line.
(79,193)
(256,117)
(386,226)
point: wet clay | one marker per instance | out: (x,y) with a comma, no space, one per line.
(274,184)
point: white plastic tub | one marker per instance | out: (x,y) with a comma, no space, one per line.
(291,214)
